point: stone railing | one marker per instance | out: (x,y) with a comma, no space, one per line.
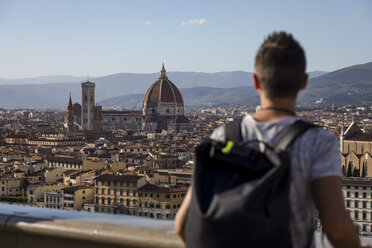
(28,227)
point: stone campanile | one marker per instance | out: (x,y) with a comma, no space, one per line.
(87,105)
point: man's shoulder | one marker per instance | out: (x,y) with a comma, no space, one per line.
(218,134)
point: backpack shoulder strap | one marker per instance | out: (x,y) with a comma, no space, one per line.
(233,131)
(286,137)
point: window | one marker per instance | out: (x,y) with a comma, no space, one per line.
(157,196)
(364,215)
(174,195)
(356,187)
(108,201)
(167,196)
(128,192)
(134,193)
(356,203)
(364,204)
(121,192)
(356,215)
(103,191)
(348,203)
(356,194)
(158,205)
(364,195)
(109,191)
(97,191)
(128,184)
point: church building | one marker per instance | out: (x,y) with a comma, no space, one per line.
(163,107)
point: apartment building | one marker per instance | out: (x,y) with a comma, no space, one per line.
(71,198)
(160,201)
(117,194)
(10,186)
(358,201)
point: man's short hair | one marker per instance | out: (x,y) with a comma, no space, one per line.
(280,66)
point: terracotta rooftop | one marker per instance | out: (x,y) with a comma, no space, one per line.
(356,181)
(162,189)
(114,178)
(361,137)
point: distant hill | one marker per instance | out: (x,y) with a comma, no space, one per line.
(196,96)
(42,80)
(351,85)
(314,74)
(353,74)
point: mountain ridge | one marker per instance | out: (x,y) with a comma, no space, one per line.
(198,88)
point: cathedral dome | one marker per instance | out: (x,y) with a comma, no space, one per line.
(162,91)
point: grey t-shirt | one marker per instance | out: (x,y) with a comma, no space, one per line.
(315,154)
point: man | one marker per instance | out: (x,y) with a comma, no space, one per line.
(315,157)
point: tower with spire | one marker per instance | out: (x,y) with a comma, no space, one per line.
(70,116)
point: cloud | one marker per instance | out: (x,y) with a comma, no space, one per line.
(148,22)
(194,22)
(243,38)
(362,11)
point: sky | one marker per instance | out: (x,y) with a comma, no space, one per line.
(97,38)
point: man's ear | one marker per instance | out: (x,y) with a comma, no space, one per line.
(256,82)
(304,83)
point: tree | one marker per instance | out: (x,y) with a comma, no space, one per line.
(363,170)
(349,166)
(23,185)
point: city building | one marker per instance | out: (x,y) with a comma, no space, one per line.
(160,201)
(356,149)
(117,194)
(358,201)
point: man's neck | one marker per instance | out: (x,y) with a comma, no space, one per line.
(272,109)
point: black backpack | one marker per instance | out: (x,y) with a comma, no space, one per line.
(240,196)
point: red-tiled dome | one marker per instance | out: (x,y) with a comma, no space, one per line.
(162,91)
